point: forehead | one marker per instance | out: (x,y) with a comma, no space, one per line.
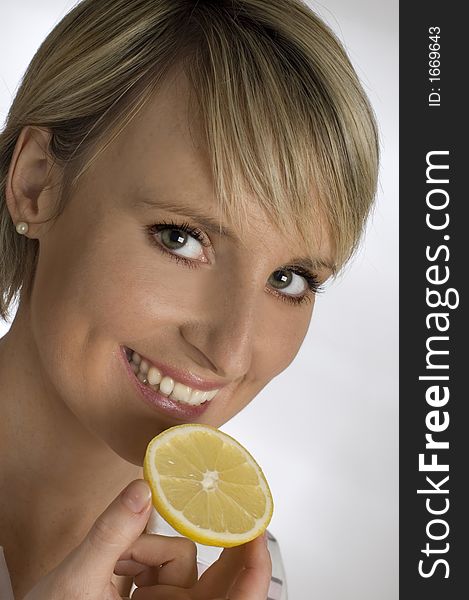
(160,160)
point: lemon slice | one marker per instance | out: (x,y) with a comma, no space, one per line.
(207,486)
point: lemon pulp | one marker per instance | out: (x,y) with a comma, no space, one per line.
(207,486)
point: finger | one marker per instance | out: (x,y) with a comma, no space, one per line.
(112,533)
(162,592)
(218,579)
(254,580)
(168,560)
(129,568)
(245,569)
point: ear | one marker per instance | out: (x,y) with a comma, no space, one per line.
(28,196)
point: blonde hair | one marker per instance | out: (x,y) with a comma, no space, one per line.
(283,113)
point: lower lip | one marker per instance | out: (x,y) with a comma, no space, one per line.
(161,403)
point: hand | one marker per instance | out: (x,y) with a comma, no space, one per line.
(87,571)
(241,573)
(163,567)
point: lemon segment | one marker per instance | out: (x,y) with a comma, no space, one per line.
(207,486)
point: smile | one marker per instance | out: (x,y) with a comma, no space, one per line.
(154,378)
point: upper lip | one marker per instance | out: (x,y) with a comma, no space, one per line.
(184,376)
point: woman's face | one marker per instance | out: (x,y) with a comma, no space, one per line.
(106,282)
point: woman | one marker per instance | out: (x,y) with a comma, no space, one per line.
(177,181)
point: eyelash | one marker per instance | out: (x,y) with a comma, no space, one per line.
(313,284)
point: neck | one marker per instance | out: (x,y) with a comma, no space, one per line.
(57,476)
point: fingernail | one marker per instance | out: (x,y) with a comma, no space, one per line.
(266,539)
(137,496)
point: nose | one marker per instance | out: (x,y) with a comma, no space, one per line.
(223,336)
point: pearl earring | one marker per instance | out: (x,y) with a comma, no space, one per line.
(22,228)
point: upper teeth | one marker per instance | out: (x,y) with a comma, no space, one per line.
(167,385)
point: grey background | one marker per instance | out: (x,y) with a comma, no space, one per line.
(326,430)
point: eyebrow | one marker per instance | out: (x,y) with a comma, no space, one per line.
(212,225)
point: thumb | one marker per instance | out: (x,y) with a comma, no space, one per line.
(113,532)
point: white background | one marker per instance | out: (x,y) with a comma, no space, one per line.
(326,430)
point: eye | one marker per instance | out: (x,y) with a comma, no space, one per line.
(184,243)
(301,284)
(181,240)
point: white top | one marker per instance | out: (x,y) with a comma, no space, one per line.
(6,593)
(206,555)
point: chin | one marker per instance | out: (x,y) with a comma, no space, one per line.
(132,448)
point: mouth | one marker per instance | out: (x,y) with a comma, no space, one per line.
(163,392)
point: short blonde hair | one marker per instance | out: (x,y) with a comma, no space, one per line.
(283,113)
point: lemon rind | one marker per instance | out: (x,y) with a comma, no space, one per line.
(176,518)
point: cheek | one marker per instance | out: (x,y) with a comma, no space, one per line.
(276,344)
(284,330)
